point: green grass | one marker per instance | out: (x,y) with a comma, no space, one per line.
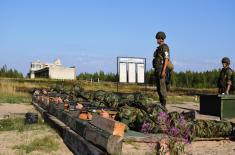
(6,98)
(9,93)
(46,144)
(19,125)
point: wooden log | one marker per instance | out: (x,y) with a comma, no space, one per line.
(111,126)
(79,145)
(102,139)
(79,126)
(112,144)
(73,140)
(84,138)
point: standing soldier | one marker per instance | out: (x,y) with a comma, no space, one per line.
(225,78)
(160,63)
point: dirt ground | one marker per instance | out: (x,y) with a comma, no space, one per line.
(12,110)
(187,106)
(8,139)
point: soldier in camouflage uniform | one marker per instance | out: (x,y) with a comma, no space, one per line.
(225,78)
(160,62)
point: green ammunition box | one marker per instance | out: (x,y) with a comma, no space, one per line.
(222,106)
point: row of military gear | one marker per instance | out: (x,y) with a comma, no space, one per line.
(136,109)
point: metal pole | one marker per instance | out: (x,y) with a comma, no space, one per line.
(117,74)
(145,75)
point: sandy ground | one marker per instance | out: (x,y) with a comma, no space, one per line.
(223,147)
(8,139)
(183,107)
(12,110)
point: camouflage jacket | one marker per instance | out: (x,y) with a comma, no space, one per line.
(161,53)
(225,79)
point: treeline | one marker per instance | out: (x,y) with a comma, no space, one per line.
(187,79)
(190,79)
(98,76)
(10,73)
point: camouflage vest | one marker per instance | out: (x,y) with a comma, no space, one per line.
(159,56)
(226,75)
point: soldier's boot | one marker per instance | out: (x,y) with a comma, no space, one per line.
(163,103)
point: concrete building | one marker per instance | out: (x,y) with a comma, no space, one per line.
(54,70)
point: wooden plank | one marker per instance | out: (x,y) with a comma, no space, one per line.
(138,148)
(133,136)
(211,139)
(111,126)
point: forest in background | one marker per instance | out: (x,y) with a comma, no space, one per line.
(187,79)
(10,73)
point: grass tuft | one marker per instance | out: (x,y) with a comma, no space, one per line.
(9,93)
(18,124)
(46,144)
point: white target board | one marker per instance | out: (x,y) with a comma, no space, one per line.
(131,73)
(140,73)
(123,72)
(131,69)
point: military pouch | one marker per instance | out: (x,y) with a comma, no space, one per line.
(170,65)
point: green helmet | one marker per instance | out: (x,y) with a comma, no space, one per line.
(161,35)
(226,60)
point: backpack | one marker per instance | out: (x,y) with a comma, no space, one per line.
(31,118)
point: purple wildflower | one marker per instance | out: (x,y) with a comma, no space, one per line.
(146,128)
(162,117)
(173,132)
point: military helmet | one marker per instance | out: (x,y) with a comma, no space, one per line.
(161,35)
(226,60)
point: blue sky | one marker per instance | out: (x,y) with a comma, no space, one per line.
(91,34)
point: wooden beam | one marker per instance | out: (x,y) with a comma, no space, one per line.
(111,126)
(112,144)
(73,140)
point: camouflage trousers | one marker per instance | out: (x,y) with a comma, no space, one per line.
(161,89)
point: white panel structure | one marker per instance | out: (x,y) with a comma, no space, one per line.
(132,60)
(131,73)
(123,72)
(140,73)
(131,69)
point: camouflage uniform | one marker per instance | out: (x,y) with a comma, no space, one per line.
(160,54)
(225,79)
